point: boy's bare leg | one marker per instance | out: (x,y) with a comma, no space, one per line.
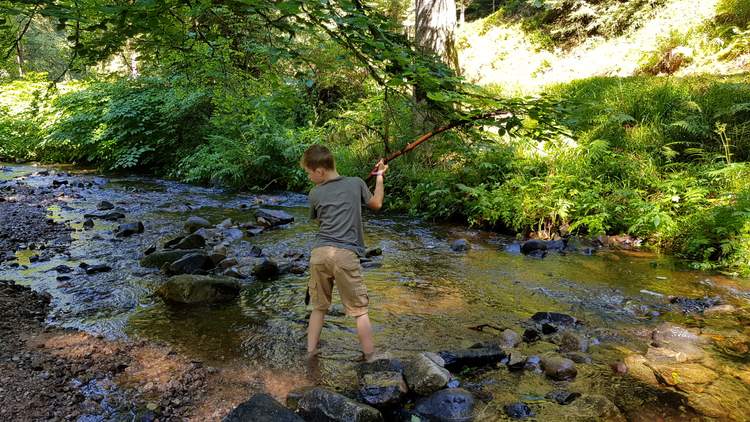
(364,331)
(314,327)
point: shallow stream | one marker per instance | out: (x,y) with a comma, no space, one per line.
(424,297)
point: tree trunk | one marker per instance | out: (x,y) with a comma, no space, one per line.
(19,58)
(462,18)
(434,26)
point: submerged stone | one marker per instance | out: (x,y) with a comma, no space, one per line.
(266,270)
(531,335)
(563,397)
(689,305)
(369,253)
(460,245)
(595,408)
(478,357)
(105,206)
(109,216)
(194,223)
(159,258)
(449,405)
(262,408)
(572,342)
(193,241)
(509,339)
(129,229)
(98,268)
(199,289)
(533,245)
(558,368)
(382,388)
(517,361)
(320,404)
(518,410)
(554,318)
(272,218)
(191,264)
(380,365)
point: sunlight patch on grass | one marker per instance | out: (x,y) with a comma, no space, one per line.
(505,56)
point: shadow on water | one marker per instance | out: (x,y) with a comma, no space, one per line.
(424,297)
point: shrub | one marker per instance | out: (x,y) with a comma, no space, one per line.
(735,12)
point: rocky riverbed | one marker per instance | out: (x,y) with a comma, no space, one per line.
(150,300)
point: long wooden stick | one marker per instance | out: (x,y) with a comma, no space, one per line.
(410,146)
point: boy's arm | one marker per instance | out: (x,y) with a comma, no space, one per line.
(376,202)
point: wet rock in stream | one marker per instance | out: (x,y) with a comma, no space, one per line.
(105,206)
(534,247)
(129,229)
(159,258)
(194,263)
(265,270)
(322,405)
(518,410)
(194,223)
(190,289)
(689,305)
(475,357)
(449,405)
(193,241)
(272,218)
(460,245)
(108,216)
(382,389)
(424,376)
(262,408)
(558,368)
(563,397)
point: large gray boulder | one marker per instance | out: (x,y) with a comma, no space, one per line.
(322,405)
(424,376)
(199,289)
(159,258)
(262,408)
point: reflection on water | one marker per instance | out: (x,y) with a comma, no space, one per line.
(423,296)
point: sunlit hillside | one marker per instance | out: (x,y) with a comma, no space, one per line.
(500,51)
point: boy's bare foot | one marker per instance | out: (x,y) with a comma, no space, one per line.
(372,357)
(312,354)
(312,367)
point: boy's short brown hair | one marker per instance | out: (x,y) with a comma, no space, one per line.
(317,156)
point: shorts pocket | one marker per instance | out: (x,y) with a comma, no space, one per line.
(361,298)
(349,261)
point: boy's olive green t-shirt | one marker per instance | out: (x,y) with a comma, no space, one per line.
(337,204)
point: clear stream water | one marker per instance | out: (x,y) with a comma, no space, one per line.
(424,297)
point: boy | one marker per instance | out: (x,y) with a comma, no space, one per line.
(336,203)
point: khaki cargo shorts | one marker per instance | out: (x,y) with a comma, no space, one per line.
(329,264)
